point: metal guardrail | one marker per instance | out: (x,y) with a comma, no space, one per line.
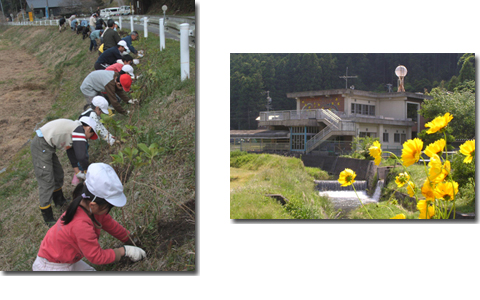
(248,146)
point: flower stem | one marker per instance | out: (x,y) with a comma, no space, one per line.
(361,201)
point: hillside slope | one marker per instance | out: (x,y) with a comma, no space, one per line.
(159,180)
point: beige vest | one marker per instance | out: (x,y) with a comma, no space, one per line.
(58,133)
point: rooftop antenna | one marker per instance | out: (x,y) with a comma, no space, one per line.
(401,72)
(389,86)
(346,78)
(269,101)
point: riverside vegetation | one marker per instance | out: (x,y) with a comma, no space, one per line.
(155,157)
(253,176)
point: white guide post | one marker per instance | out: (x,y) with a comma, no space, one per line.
(162,34)
(131,23)
(145,29)
(184,52)
(120,21)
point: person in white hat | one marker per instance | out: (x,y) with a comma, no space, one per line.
(64,134)
(75,235)
(117,67)
(95,109)
(110,56)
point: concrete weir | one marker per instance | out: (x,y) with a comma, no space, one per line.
(334,185)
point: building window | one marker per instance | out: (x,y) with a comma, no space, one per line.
(385,137)
(370,134)
(399,137)
(412,111)
(363,109)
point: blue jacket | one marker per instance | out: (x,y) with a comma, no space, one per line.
(96,34)
(128,40)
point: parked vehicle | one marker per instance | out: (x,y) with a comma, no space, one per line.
(109,12)
(125,10)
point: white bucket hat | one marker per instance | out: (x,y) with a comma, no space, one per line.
(92,123)
(128,69)
(101,102)
(124,44)
(103,182)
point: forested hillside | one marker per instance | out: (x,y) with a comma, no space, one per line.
(253,74)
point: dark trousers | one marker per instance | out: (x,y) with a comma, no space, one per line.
(48,170)
(93,44)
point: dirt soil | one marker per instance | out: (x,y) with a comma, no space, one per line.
(25,99)
(176,232)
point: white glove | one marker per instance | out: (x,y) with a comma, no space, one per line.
(111,141)
(134,253)
(80,175)
(133,101)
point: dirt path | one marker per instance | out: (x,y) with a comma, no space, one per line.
(25,99)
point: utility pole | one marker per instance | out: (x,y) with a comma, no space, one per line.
(346,78)
(2,9)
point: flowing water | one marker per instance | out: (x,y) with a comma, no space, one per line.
(344,198)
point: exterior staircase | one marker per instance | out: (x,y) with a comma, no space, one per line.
(335,126)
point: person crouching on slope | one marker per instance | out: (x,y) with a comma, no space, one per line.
(62,134)
(98,106)
(76,234)
(109,82)
(94,110)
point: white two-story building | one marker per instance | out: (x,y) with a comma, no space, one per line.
(326,121)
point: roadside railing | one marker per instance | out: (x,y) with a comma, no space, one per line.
(259,146)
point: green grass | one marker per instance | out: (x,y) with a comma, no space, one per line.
(155,192)
(255,175)
(381,211)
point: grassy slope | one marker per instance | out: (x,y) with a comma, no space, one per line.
(158,194)
(254,175)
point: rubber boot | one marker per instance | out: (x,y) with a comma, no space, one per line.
(58,198)
(47,214)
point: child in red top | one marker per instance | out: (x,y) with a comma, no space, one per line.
(76,233)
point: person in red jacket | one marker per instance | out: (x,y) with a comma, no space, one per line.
(76,233)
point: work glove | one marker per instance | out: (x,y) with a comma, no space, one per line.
(75,180)
(134,253)
(111,141)
(133,101)
(80,175)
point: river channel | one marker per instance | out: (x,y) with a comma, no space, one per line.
(345,198)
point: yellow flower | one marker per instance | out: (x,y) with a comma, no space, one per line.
(427,190)
(411,189)
(435,166)
(438,172)
(468,149)
(411,151)
(435,148)
(347,177)
(402,179)
(427,209)
(446,190)
(376,152)
(439,123)
(399,216)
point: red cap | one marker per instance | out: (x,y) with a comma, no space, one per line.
(126,81)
